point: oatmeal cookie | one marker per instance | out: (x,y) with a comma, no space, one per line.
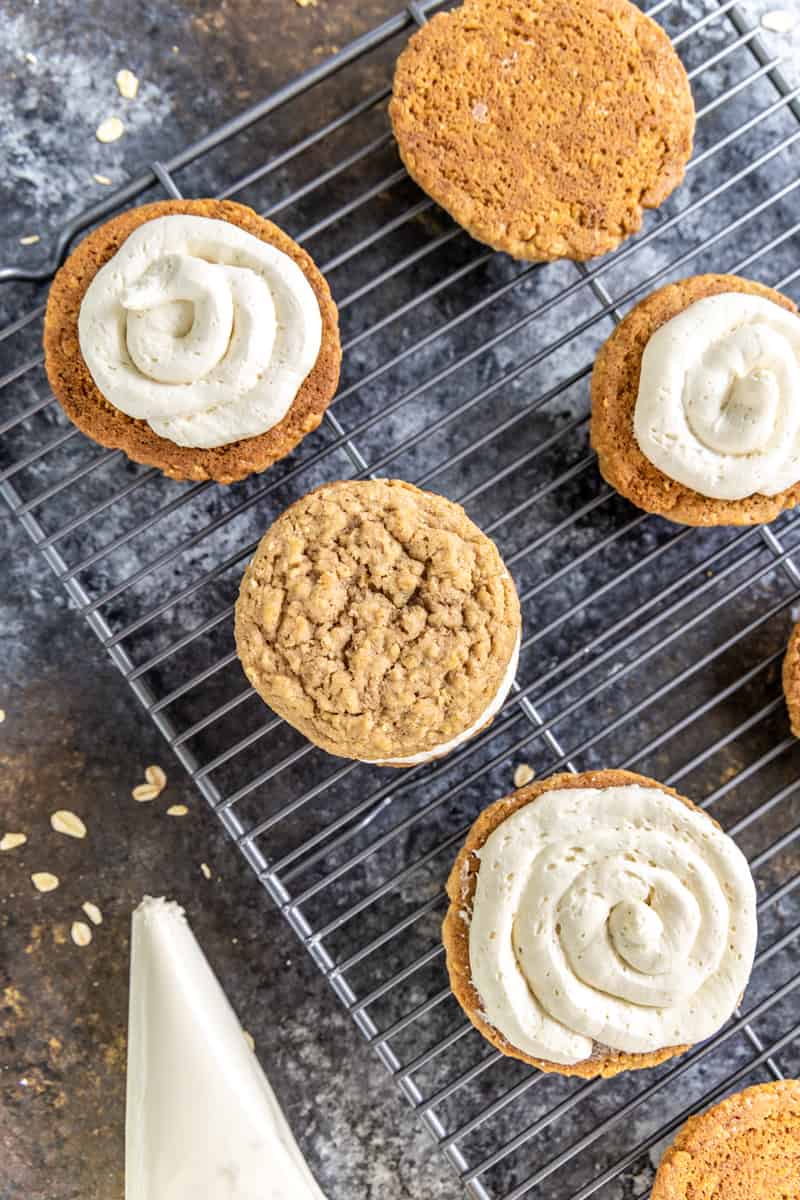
(379,621)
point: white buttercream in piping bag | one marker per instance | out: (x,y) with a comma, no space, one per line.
(718,407)
(201,329)
(616,916)
(202,1121)
(488,714)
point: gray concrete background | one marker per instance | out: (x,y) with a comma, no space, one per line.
(74,737)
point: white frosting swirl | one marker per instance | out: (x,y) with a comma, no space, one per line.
(718,407)
(201,329)
(614,915)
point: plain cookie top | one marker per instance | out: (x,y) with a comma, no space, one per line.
(377,619)
(544,127)
(747,1147)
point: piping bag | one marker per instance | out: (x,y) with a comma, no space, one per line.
(202,1122)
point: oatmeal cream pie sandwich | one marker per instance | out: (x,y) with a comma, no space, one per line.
(598,923)
(746,1148)
(379,621)
(544,127)
(696,403)
(195,336)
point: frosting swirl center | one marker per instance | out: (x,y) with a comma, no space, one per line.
(718,407)
(614,915)
(201,329)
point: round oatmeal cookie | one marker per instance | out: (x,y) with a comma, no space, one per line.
(475,855)
(615,388)
(379,621)
(791,679)
(545,127)
(746,1148)
(100,420)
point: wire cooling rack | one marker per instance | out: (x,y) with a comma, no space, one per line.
(646,645)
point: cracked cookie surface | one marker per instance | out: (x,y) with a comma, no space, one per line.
(544,128)
(377,619)
(746,1148)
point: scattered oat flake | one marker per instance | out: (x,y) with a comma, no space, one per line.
(109,130)
(80,933)
(177,810)
(248,1037)
(523,774)
(31,58)
(30,239)
(127,84)
(2,715)
(43,881)
(778,20)
(145,791)
(156,777)
(92,912)
(10,841)
(69,823)
(306,3)
(206,869)
(106,182)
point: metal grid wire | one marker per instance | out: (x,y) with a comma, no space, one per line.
(645,645)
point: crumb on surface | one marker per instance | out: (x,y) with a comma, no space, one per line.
(44,881)
(127,84)
(68,823)
(109,130)
(80,933)
(93,912)
(10,841)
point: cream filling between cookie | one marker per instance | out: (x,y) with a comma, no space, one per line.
(200,329)
(487,715)
(617,916)
(718,407)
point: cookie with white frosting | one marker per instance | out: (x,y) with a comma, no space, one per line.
(380,621)
(195,336)
(696,403)
(598,923)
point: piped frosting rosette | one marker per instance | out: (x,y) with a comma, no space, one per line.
(201,329)
(718,406)
(616,917)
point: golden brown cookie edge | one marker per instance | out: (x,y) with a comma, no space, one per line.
(614,389)
(701,1133)
(86,407)
(603,241)
(460,887)
(790,675)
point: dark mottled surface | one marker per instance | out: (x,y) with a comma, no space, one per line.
(75,738)
(598,654)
